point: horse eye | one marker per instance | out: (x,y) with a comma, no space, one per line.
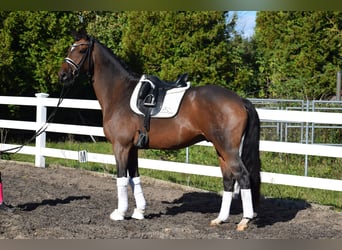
(82,51)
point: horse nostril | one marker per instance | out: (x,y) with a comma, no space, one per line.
(63,76)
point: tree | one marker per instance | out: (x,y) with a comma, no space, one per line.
(243,64)
(106,26)
(170,43)
(33,44)
(299,53)
(164,43)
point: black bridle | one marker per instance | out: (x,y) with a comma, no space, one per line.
(76,67)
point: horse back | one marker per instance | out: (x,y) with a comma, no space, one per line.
(216,98)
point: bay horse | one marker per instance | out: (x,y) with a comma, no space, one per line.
(210,113)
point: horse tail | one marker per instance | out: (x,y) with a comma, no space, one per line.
(250,151)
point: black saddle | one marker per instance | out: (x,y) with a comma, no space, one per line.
(153,91)
(180,82)
(150,100)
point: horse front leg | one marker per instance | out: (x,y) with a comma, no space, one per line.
(127,161)
(135,183)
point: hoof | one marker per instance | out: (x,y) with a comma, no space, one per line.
(243,225)
(6,208)
(215,222)
(138,214)
(116,215)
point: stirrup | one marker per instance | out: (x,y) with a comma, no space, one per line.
(150,100)
(142,140)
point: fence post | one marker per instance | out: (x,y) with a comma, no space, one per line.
(338,85)
(307,140)
(40,121)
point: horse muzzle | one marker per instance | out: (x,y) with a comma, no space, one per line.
(66,77)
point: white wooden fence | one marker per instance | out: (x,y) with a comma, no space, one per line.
(40,151)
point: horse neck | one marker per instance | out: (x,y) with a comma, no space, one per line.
(113,85)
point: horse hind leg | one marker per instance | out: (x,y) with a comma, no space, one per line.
(243,179)
(228,184)
(233,169)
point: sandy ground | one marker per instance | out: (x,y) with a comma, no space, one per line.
(64,203)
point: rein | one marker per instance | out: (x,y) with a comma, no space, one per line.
(42,129)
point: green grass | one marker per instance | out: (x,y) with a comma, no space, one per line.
(323,167)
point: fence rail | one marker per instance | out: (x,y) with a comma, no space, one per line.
(40,151)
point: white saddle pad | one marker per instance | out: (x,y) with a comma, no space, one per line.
(171,103)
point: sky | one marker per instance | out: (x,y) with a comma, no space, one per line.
(246,22)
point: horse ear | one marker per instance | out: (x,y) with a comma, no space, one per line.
(74,34)
(78,35)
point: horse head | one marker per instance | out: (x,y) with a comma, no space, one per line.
(78,59)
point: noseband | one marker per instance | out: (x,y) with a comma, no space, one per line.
(76,67)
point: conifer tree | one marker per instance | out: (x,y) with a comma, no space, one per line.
(299,53)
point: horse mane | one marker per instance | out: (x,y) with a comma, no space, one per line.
(83,35)
(132,73)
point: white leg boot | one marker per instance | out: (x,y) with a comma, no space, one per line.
(139,198)
(236,190)
(119,213)
(225,209)
(247,206)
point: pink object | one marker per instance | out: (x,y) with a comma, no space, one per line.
(1,196)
